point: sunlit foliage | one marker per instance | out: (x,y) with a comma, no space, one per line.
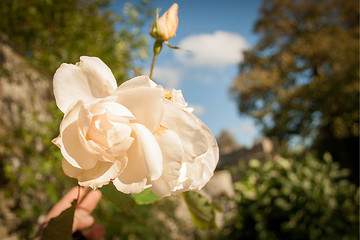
(301,198)
(302,77)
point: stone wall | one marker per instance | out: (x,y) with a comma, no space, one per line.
(25,97)
(24,93)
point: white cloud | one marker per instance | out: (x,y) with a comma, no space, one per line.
(246,128)
(198,109)
(167,76)
(217,49)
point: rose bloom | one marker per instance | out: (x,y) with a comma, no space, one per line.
(165,27)
(137,135)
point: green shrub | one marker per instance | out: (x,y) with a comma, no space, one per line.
(288,199)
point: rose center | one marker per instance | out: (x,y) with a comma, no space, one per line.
(98,130)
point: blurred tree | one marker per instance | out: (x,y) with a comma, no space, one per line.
(51,32)
(48,33)
(226,142)
(302,77)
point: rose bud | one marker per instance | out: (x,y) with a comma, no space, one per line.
(165,27)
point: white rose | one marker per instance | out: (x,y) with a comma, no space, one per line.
(137,135)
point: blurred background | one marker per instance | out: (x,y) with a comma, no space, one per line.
(276,81)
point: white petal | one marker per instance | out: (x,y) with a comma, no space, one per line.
(172,151)
(198,173)
(119,139)
(111,141)
(118,133)
(144,162)
(149,149)
(213,152)
(119,148)
(71,116)
(98,149)
(84,119)
(74,151)
(99,175)
(200,146)
(116,110)
(113,110)
(140,81)
(188,127)
(69,141)
(194,175)
(178,98)
(98,130)
(87,80)
(131,188)
(145,103)
(135,173)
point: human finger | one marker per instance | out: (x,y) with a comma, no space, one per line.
(82,220)
(90,201)
(65,202)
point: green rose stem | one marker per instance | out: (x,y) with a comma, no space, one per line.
(157,49)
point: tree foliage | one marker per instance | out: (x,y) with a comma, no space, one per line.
(52,32)
(301,78)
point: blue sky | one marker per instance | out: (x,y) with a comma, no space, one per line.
(216,32)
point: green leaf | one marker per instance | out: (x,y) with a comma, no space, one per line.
(123,201)
(145,197)
(201,209)
(61,226)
